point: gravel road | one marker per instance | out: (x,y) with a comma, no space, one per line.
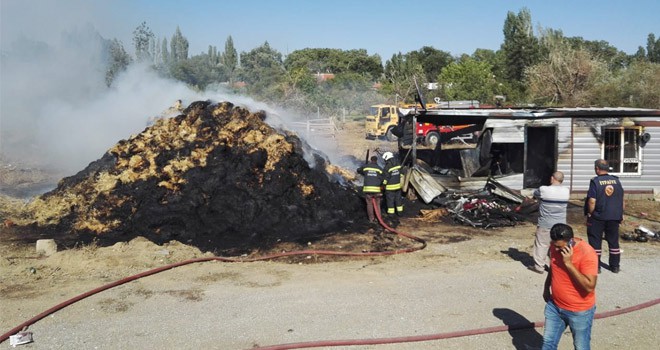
(474,284)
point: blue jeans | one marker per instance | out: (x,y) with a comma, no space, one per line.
(556,320)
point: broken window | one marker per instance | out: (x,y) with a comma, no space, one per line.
(621,149)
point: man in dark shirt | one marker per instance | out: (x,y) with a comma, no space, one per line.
(373,179)
(604,210)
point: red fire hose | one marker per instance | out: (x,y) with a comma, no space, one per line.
(439,336)
(66,303)
(323,343)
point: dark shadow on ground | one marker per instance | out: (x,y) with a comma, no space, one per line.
(523,257)
(523,334)
(606,266)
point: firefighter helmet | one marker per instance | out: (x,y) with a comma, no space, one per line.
(387,156)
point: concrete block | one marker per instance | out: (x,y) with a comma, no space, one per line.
(46,247)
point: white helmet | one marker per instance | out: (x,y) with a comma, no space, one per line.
(387,156)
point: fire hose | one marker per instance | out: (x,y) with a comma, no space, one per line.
(66,303)
(322,343)
(440,336)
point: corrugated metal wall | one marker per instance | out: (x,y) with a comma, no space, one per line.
(586,149)
(650,154)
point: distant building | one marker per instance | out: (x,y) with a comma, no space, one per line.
(321,77)
(239,84)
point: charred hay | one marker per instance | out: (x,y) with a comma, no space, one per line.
(216,176)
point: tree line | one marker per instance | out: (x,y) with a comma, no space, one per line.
(541,67)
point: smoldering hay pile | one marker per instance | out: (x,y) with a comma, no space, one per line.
(216,176)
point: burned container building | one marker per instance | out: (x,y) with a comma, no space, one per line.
(520,148)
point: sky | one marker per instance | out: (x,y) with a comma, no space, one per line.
(383,27)
(54,108)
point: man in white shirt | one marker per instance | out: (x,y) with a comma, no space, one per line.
(552,210)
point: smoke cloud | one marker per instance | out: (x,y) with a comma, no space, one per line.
(56,111)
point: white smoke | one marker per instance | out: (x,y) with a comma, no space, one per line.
(56,111)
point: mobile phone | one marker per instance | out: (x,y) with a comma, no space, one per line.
(571,243)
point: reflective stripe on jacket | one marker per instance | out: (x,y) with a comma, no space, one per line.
(392,177)
(373,178)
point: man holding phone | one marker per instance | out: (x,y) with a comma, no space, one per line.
(570,289)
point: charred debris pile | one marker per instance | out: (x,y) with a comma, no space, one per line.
(216,176)
(493,206)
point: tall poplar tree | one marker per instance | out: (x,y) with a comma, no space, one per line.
(653,49)
(179,46)
(165,53)
(142,36)
(230,59)
(521,48)
(118,61)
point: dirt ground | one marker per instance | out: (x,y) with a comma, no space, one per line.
(31,283)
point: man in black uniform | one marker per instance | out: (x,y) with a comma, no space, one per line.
(604,210)
(373,178)
(392,184)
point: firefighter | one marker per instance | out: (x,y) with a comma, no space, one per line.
(392,182)
(604,210)
(373,178)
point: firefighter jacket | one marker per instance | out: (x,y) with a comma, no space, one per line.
(392,179)
(607,190)
(373,177)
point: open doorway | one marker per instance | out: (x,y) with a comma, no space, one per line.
(540,155)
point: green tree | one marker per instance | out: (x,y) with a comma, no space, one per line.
(653,48)
(360,63)
(197,71)
(335,61)
(118,61)
(640,55)
(213,56)
(467,79)
(496,60)
(142,37)
(567,76)
(312,60)
(263,70)
(179,47)
(349,91)
(432,61)
(229,60)
(401,73)
(158,53)
(600,50)
(296,87)
(165,53)
(520,47)
(637,86)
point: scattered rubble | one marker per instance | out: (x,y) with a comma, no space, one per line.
(493,206)
(641,234)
